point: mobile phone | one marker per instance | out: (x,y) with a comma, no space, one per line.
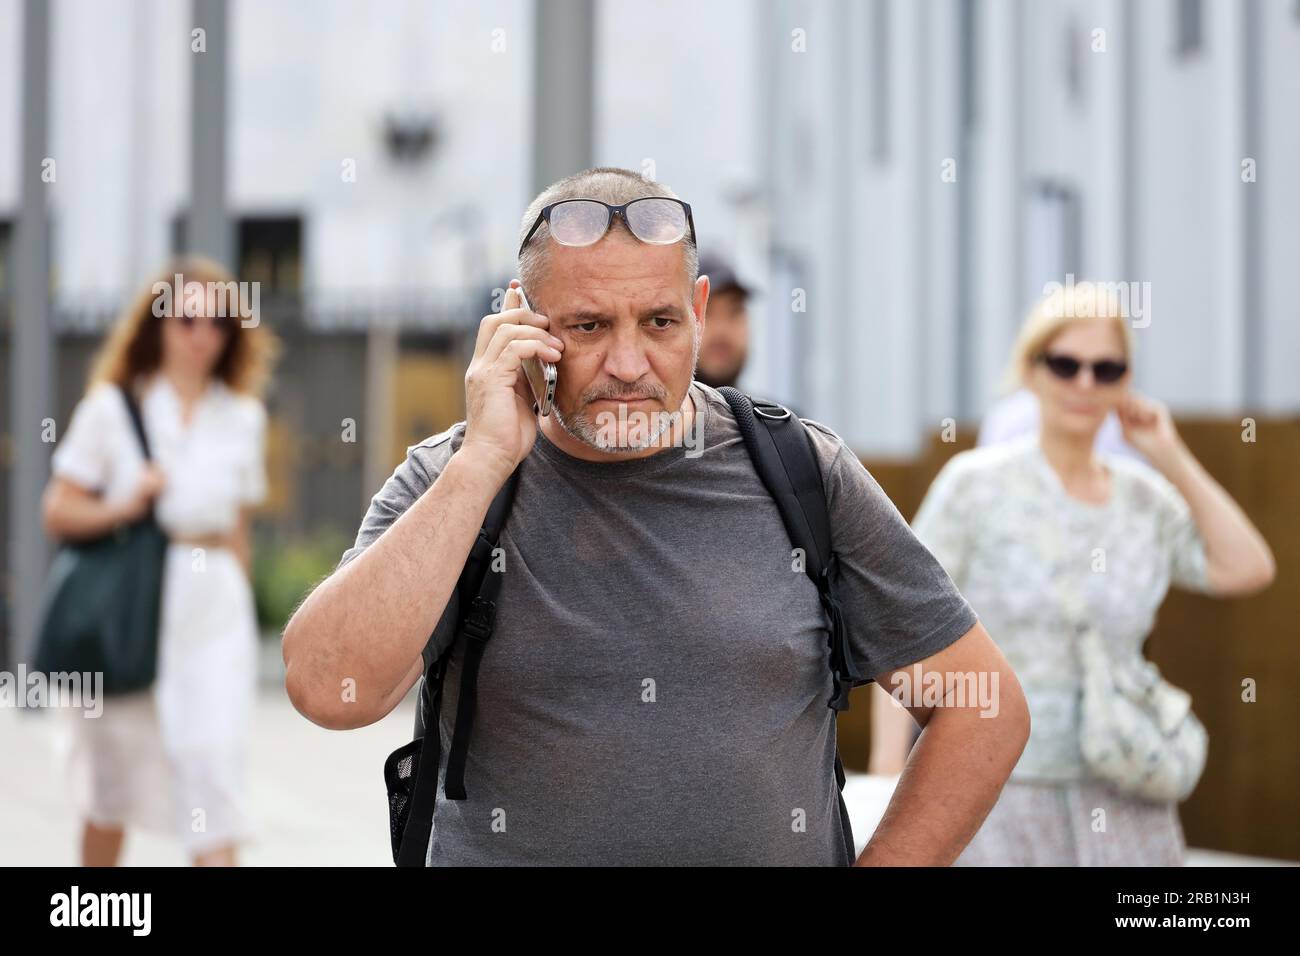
(541,375)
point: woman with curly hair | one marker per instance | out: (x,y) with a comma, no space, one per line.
(171,758)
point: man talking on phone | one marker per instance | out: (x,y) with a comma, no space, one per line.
(655,689)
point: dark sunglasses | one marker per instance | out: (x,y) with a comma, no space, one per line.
(1106,372)
(581,222)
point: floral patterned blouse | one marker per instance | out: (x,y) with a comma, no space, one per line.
(1030,559)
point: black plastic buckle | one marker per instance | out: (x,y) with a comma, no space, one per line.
(478,621)
(832,567)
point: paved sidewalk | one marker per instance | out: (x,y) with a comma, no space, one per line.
(318,795)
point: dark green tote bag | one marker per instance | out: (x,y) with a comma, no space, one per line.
(103,598)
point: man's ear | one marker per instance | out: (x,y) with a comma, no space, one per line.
(700,302)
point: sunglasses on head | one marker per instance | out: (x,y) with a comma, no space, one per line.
(581,222)
(1105,372)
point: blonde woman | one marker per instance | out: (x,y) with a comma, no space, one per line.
(171,758)
(1027,528)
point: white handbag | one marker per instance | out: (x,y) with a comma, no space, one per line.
(1137,731)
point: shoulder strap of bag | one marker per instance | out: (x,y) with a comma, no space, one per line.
(478,588)
(783,455)
(137,421)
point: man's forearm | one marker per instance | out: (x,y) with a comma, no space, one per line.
(952,780)
(367,623)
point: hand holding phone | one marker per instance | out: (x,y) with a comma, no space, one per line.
(500,410)
(541,376)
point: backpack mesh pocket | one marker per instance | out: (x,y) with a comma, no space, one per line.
(400,770)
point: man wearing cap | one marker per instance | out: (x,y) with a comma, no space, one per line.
(655,689)
(725,346)
(724,349)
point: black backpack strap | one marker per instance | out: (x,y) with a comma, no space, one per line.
(783,455)
(475,631)
(478,588)
(424,790)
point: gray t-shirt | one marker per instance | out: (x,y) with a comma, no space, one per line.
(656,688)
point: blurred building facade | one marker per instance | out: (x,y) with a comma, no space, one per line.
(944,160)
(919,170)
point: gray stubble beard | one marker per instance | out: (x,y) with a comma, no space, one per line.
(583,429)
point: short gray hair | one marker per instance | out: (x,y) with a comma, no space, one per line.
(609,184)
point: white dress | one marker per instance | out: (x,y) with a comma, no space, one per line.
(999,520)
(171,758)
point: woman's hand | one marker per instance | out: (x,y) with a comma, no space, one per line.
(1238,559)
(1149,428)
(151,483)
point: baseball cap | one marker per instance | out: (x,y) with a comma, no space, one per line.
(722,277)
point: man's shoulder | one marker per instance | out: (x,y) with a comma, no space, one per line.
(717,403)
(826,443)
